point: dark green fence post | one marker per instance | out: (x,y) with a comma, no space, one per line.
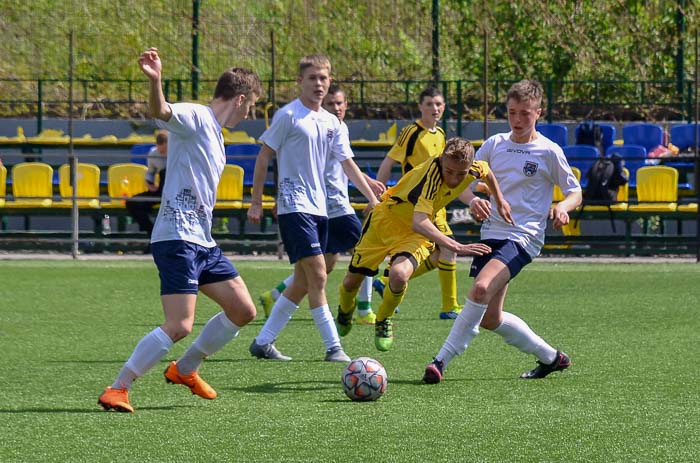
(550,101)
(39,106)
(195,49)
(460,106)
(166,89)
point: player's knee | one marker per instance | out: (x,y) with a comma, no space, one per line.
(242,314)
(177,330)
(479,292)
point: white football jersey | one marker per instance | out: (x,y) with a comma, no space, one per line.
(526,174)
(195,161)
(337,198)
(303,141)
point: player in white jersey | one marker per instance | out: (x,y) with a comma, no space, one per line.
(187,257)
(303,136)
(343,225)
(527,166)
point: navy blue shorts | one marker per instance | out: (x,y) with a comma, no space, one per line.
(184,267)
(303,235)
(343,233)
(507,251)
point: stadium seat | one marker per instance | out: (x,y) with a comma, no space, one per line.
(32,185)
(684,136)
(647,135)
(634,157)
(229,194)
(124,180)
(88,190)
(558,133)
(581,157)
(3,184)
(237,137)
(657,190)
(623,194)
(608,131)
(244,155)
(139,152)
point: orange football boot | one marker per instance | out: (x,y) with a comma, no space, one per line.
(196,384)
(116,399)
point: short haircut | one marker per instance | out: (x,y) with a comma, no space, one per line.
(320,61)
(333,89)
(429,92)
(161,137)
(460,150)
(526,90)
(237,81)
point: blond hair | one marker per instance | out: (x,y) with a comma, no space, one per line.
(526,90)
(460,150)
(319,61)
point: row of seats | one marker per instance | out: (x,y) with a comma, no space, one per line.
(32,186)
(637,141)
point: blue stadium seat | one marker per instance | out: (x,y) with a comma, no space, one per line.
(684,136)
(634,157)
(139,152)
(244,155)
(647,135)
(608,130)
(558,133)
(582,157)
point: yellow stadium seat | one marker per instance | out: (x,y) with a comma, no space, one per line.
(124,180)
(573,228)
(657,189)
(229,194)
(623,194)
(88,190)
(31,185)
(236,136)
(3,184)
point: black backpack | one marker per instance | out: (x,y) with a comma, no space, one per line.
(605,177)
(589,133)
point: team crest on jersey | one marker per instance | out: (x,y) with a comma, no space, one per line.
(329,135)
(530,168)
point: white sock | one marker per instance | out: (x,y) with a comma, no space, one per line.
(365,293)
(326,326)
(149,351)
(517,333)
(464,329)
(218,331)
(280,315)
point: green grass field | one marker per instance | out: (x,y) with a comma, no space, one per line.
(632,393)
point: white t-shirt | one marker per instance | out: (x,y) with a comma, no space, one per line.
(303,141)
(526,174)
(337,198)
(195,161)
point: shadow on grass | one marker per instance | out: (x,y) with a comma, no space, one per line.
(285,387)
(97,409)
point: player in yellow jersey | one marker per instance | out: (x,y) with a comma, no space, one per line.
(409,209)
(417,143)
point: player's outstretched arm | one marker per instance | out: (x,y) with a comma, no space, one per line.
(501,203)
(255,210)
(151,66)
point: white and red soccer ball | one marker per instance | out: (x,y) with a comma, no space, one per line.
(364,379)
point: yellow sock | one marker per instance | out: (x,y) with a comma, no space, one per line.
(347,299)
(423,268)
(390,302)
(448,283)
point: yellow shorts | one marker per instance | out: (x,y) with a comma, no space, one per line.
(383,234)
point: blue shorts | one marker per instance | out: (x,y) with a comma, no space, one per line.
(343,233)
(507,251)
(184,267)
(303,235)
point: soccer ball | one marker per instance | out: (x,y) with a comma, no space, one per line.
(364,379)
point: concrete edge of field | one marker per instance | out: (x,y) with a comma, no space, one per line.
(6,256)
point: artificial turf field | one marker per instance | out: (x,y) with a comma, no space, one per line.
(632,393)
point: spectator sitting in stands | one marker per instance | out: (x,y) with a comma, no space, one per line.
(141,205)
